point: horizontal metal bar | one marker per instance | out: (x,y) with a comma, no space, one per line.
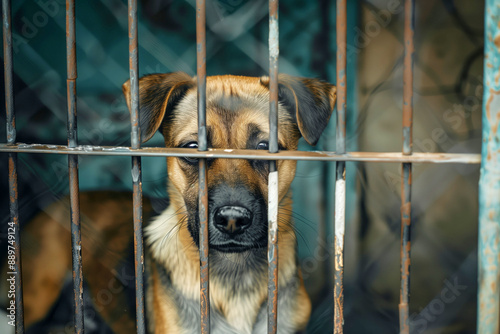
(458,158)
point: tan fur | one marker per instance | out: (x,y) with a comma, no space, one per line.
(175,250)
(165,318)
(233,103)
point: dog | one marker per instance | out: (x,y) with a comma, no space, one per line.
(237,110)
(237,113)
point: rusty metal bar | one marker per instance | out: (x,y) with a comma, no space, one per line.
(489,183)
(76,240)
(340,188)
(438,158)
(405,248)
(136,166)
(409,51)
(406,175)
(8,72)
(14,242)
(201,72)
(272,247)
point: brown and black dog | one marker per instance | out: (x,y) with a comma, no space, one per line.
(237,118)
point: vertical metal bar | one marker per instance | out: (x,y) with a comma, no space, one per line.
(8,72)
(406,175)
(76,243)
(15,270)
(136,166)
(338,326)
(489,184)
(272,302)
(409,51)
(201,71)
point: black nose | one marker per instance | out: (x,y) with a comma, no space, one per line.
(232,219)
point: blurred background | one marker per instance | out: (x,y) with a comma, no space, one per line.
(447,118)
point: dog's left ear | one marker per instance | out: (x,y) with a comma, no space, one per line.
(158,96)
(310,102)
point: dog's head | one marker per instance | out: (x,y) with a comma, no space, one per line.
(237,117)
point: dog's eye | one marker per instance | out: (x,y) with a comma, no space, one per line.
(263,145)
(191,144)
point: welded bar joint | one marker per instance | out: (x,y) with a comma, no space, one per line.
(489,184)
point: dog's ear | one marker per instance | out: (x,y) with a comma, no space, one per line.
(158,95)
(309,101)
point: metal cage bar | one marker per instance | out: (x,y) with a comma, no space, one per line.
(340,188)
(136,166)
(273,197)
(406,175)
(201,72)
(76,240)
(396,157)
(488,305)
(14,242)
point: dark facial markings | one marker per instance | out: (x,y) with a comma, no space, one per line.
(258,140)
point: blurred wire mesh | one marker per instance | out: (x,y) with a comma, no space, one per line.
(448,99)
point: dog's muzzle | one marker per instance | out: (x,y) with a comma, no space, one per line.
(238,219)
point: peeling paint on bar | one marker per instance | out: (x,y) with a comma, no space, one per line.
(135,138)
(201,73)
(340,212)
(439,158)
(204,249)
(138,245)
(340,138)
(76,243)
(273,204)
(489,184)
(76,239)
(274,50)
(406,175)
(339,248)
(272,251)
(272,254)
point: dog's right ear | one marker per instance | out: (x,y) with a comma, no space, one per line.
(158,95)
(310,102)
